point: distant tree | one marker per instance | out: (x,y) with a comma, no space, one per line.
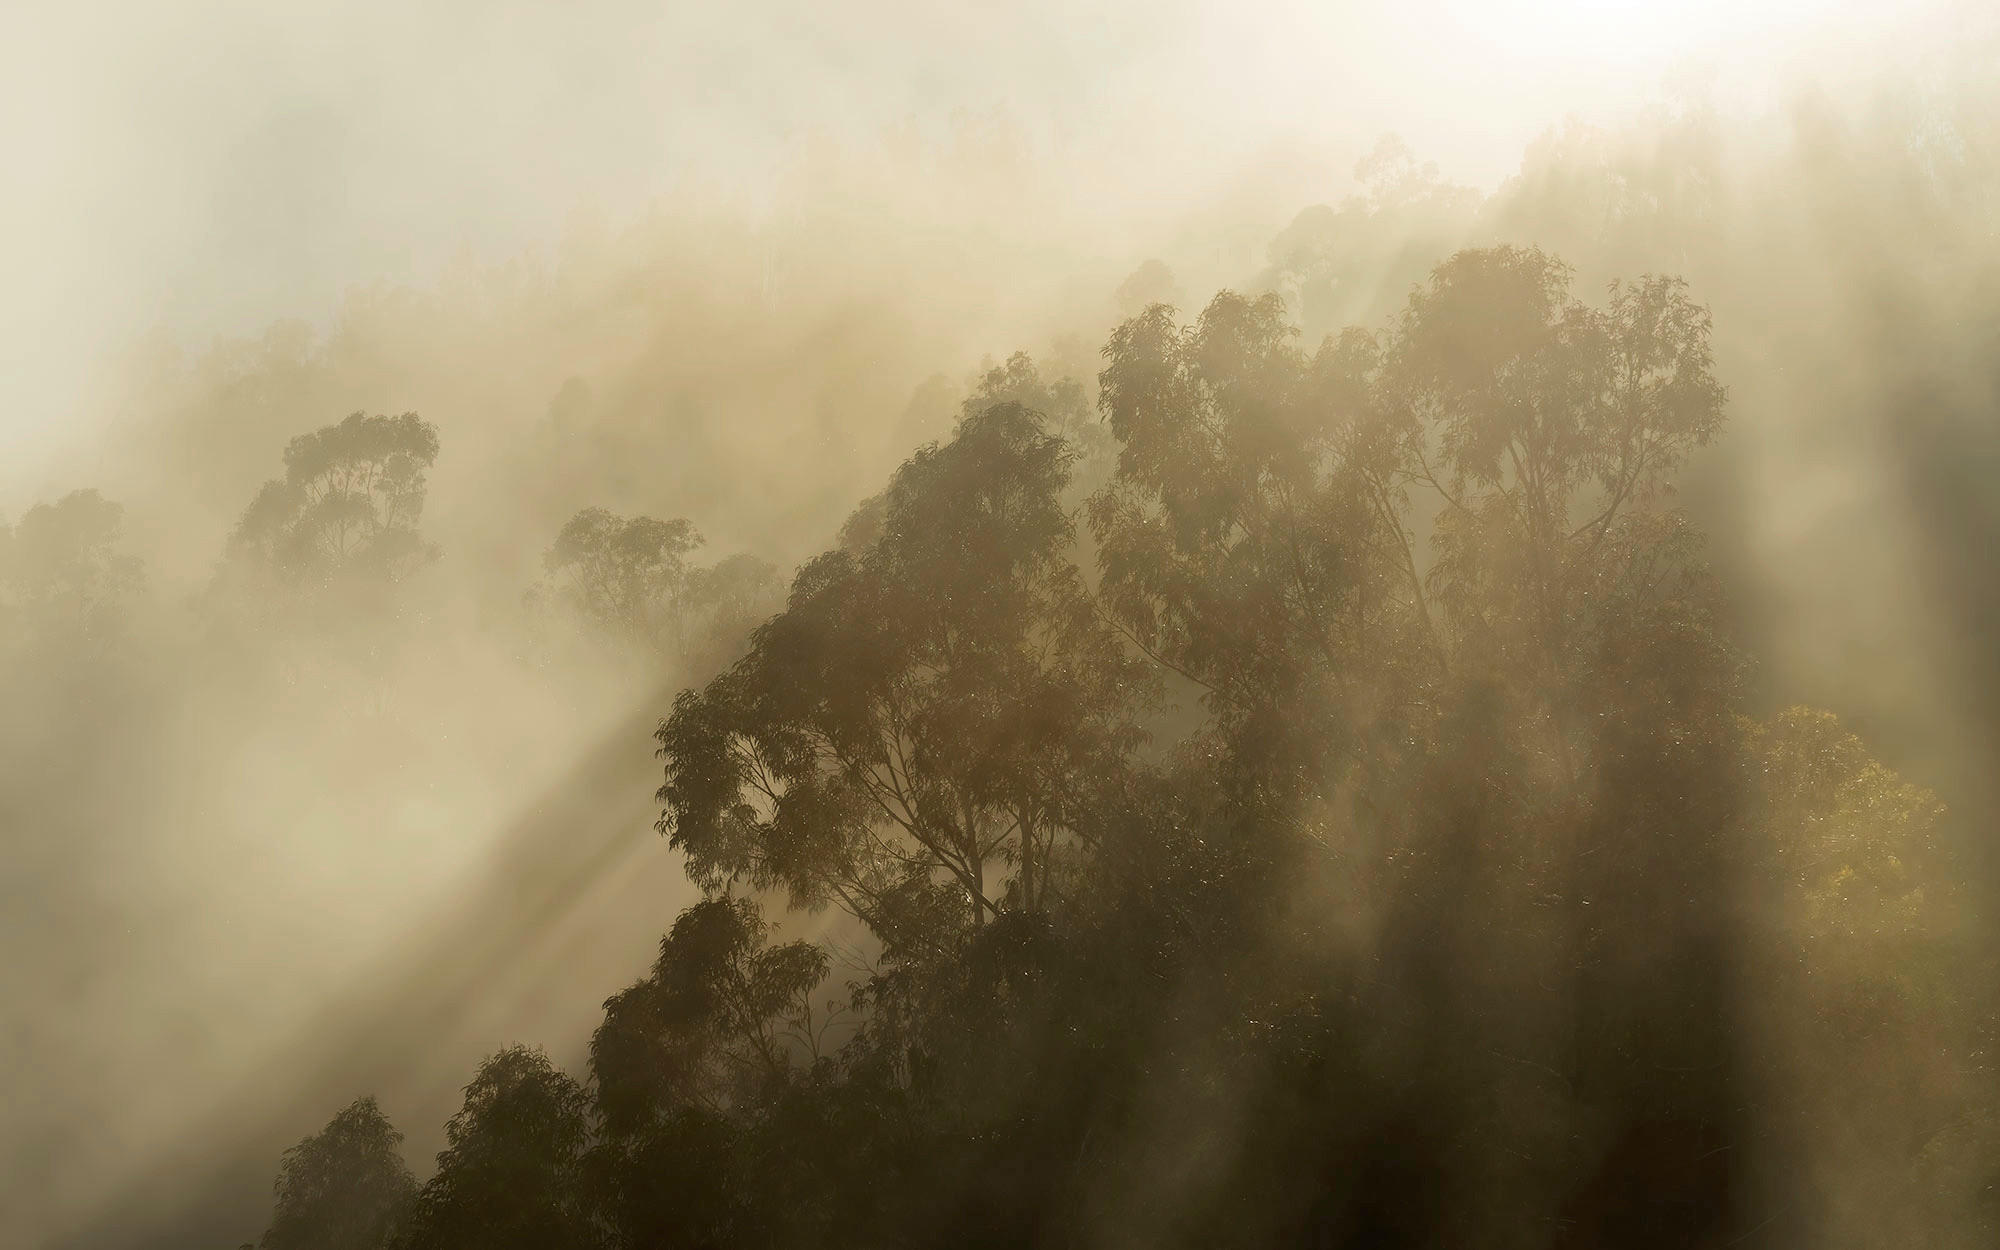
(61,570)
(347,509)
(1062,403)
(728,599)
(1151,283)
(1351,263)
(735,589)
(628,577)
(344,1188)
(509,1173)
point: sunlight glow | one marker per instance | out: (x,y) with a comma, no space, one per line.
(1647,32)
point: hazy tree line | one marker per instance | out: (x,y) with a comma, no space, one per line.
(329,542)
(297,648)
(1311,799)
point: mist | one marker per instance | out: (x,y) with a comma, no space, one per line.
(281,833)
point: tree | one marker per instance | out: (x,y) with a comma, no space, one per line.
(1515,736)
(934,706)
(508,1176)
(344,1188)
(718,1023)
(1547,429)
(1467,907)
(1345,264)
(1061,403)
(1263,535)
(628,577)
(1866,949)
(1151,283)
(735,592)
(62,571)
(347,509)
(1244,541)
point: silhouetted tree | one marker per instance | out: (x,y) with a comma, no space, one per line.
(720,1021)
(344,1188)
(348,506)
(628,577)
(509,1173)
(1345,264)
(920,713)
(1151,283)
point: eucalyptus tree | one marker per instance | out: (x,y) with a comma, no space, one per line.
(626,575)
(933,711)
(345,1187)
(348,506)
(1463,669)
(511,1172)
(721,1020)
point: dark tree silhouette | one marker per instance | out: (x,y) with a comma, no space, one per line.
(344,1188)
(509,1175)
(721,1020)
(919,715)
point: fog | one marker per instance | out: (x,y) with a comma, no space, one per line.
(263,855)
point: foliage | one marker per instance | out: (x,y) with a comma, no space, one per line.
(344,1188)
(943,701)
(629,580)
(348,506)
(1463,901)
(718,1021)
(62,575)
(510,1172)
(627,576)
(1062,404)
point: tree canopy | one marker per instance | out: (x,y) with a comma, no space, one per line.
(1336,818)
(344,1188)
(348,506)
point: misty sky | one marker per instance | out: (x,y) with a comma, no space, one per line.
(206,167)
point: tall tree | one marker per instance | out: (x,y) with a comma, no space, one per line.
(921,714)
(344,1188)
(508,1176)
(1459,723)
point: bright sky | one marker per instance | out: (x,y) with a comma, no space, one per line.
(210,165)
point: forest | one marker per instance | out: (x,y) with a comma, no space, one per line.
(1445,717)
(1308,800)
